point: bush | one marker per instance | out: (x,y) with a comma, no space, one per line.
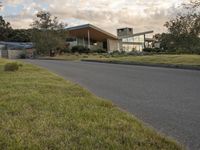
(152,50)
(22,56)
(148,49)
(197,51)
(115,53)
(79,49)
(118,53)
(136,53)
(13,66)
(100,51)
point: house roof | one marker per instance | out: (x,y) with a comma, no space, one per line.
(17,45)
(95,32)
(150,39)
(143,33)
(137,34)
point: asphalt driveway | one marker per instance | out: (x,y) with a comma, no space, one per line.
(167,99)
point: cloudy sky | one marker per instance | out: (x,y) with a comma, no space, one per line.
(142,15)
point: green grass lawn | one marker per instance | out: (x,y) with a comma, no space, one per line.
(70,57)
(193,60)
(40,110)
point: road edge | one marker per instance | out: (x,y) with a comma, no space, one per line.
(188,67)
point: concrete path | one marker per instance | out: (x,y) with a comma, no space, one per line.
(167,99)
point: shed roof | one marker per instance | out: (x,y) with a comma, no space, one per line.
(17,45)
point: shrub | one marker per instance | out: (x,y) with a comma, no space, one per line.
(65,50)
(100,51)
(152,50)
(13,66)
(118,53)
(197,51)
(136,53)
(85,56)
(79,49)
(22,56)
(148,49)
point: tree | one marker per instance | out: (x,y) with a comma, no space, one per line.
(1,5)
(166,41)
(5,29)
(185,27)
(20,35)
(48,34)
(13,35)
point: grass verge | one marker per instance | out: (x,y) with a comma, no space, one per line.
(77,56)
(191,60)
(39,110)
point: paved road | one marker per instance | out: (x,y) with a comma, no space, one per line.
(167,99)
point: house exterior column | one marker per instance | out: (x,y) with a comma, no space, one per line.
(89,39)
(83,41)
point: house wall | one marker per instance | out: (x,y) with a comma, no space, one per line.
(4,53)
(113,45)
(2,47)
(120,45)
(14,54)
(124,32)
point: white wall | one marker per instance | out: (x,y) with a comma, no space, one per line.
(113,45)
(14,54)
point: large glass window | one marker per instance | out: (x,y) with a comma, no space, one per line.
(133,47)
(139,38)
(133,43)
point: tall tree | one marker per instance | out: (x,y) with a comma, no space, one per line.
(1,5)
(20,35)
(185,27)
(5,29)
(48,33)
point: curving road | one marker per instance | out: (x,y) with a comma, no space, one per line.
(167,99)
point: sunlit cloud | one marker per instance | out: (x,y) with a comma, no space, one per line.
(107,14)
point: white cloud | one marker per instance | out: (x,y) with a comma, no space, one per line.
(12,2)
(108,14)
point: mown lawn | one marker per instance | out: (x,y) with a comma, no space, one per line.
(40,110)
(193,60)
(77,56)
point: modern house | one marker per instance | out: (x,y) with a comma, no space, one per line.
(92,37)
(95,38)
(133,42)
